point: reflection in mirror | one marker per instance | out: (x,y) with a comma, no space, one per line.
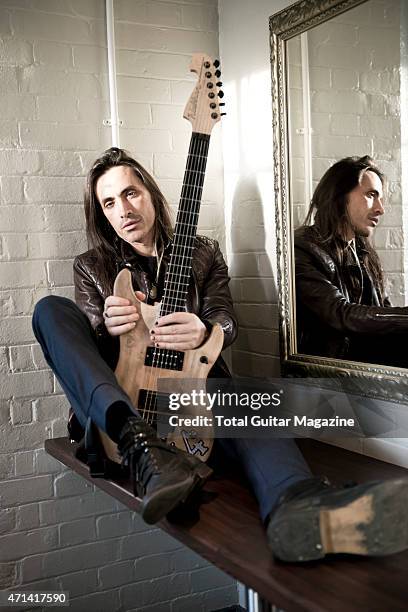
(346,83)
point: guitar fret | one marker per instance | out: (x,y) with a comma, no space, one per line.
(176,265)
(176,282)
(185,198)
(182,247)
(184,235)
(187,212)
(195,171)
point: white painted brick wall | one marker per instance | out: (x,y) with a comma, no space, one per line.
(56,531)
(356,109)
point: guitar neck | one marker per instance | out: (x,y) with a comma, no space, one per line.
(179,269)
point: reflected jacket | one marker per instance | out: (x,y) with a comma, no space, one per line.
(332,320)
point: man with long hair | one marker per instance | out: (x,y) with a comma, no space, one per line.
(128,225)
(341,303)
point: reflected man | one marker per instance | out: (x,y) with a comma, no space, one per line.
(342,310)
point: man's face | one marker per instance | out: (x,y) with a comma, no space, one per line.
(365,205)
(128,206)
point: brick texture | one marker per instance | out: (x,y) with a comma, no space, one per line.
(56,531)
(355,110)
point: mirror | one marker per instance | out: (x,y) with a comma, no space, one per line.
(339,82)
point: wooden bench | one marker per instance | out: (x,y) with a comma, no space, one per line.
(230,535)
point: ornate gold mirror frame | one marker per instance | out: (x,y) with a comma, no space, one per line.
(371,380)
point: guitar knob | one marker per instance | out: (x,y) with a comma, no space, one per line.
(216,63)
(220,94)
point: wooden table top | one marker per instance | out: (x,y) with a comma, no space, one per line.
(229,533)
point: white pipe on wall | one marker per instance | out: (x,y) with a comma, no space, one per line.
(113,95)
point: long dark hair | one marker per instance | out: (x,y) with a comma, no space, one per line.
(328,211)
(100,234)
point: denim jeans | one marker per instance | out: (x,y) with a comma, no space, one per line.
(70,349)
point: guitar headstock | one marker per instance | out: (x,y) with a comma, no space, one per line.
(203,106)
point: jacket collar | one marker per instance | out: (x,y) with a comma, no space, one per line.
(129,257)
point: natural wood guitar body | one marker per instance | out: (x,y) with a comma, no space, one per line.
(133,375)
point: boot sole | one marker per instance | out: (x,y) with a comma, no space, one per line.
(369,519)
(159,505)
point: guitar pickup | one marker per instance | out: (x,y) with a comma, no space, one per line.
(164,358)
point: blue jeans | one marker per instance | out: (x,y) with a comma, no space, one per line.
(70,349)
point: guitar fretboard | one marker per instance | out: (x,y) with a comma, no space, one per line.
(179,269)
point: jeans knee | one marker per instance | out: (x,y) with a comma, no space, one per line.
(47,308)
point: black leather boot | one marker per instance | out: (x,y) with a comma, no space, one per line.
(314,518)
(162,475)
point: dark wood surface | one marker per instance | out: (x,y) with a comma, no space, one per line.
(230,535)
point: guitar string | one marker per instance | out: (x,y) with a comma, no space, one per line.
(162,357)
(183,243)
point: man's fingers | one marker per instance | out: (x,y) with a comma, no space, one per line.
(121,311)
(170,330)
(118,330)
(114,321)
(118,306)
(163,339)
(115,300)
(140,295)
(175,346)
(174,317)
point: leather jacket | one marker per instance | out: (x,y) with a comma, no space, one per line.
(332,320)
(208,294)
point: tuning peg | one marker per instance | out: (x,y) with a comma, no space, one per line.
(216,63)
(217,73)
(221,104)
(219,84)
(220,94)
(222,114)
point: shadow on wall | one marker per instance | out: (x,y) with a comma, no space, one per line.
(253,286)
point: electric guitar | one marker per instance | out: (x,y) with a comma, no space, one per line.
(141,365)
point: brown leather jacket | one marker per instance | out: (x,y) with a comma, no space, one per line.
(208,294)
(330,320)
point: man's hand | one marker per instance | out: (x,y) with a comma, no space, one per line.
(179,331)
(120,314)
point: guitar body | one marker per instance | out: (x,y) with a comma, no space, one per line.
(133,375)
